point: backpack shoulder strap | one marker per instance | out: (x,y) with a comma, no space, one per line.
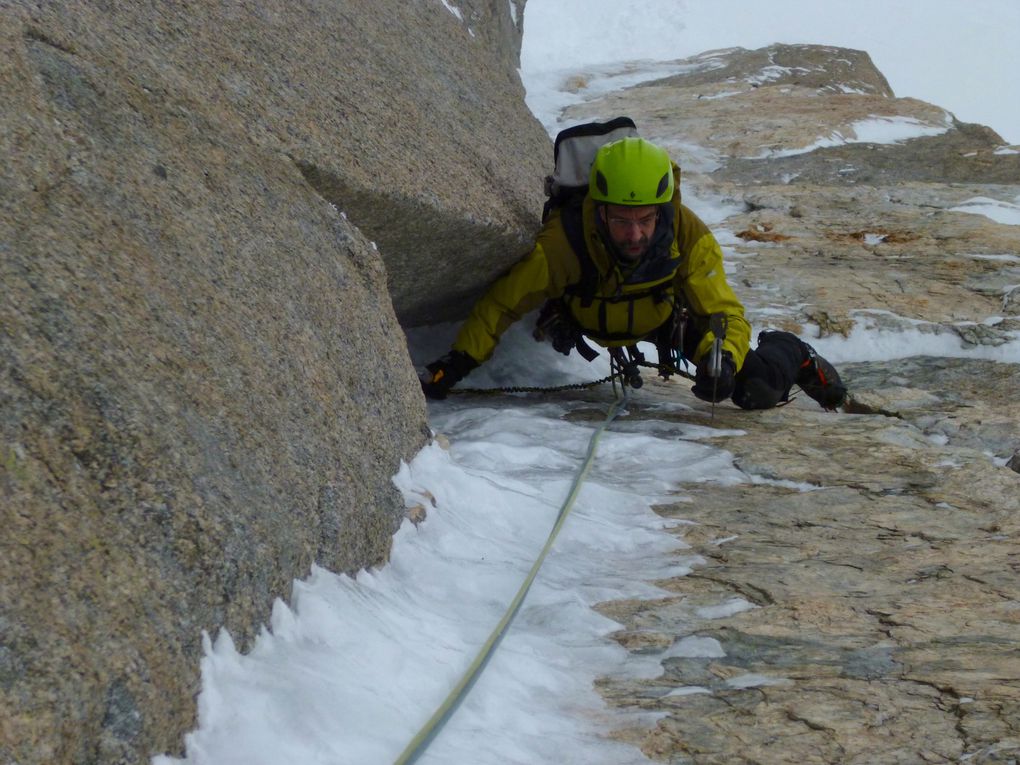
(573,226)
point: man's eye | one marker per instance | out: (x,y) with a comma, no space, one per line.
(629,222)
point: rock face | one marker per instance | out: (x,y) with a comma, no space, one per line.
(203,385)
(871,618)
(858,600)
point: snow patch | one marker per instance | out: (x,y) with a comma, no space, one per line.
(548,92)
(695,647)
(723,94)
(1000,212)
(729,608)
(880,335)
(752,680)
(453,9)
(352,668)
(883,130)
(688,690)
(1005,257)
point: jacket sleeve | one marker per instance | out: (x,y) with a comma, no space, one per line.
(542,274)
(707,291)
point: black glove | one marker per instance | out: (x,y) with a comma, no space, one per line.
(716,389)
(446,372)
(556,325)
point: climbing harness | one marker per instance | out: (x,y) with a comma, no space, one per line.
(442,715)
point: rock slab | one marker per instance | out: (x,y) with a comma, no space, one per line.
(204,388)
(857,602)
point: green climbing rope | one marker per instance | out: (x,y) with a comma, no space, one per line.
(434,725)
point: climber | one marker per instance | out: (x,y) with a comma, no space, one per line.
(627,262)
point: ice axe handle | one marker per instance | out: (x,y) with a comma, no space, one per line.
(717,325)
(715,359)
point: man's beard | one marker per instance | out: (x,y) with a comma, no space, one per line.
(632,256)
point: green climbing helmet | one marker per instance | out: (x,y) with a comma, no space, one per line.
(631,171)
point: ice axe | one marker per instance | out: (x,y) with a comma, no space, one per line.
(717,324)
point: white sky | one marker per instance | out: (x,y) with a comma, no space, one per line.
(962,55)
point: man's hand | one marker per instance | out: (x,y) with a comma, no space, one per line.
(556,325)
(715,389)
(446,372)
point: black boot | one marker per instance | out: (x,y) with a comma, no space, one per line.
(769,371)
(820,380)
(799,364)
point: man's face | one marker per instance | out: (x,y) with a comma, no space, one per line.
(630,228)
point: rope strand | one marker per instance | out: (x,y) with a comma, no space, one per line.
(669,368)
(442,715)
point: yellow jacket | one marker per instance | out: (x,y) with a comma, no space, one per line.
(612,319)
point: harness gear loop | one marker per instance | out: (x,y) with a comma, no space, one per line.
(669,342)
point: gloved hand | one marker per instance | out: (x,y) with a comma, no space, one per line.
(446,372)
(722,386)
(557,325)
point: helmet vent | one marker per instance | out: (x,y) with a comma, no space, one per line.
(663,185)
(603,185)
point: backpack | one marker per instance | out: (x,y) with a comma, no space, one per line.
(573,152)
